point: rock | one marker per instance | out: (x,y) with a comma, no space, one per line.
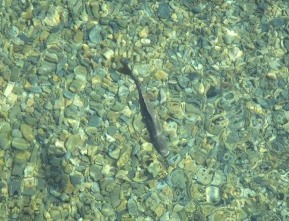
(164,11)
(278,22)
(77,85)
(73,142)
(107,210)
(76,179)
(161,75)
(95,35)
(20,143)
(27,132)
(213,195)
(95,172)
(132,207)
(14,187)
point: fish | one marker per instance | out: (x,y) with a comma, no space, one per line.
(150,116)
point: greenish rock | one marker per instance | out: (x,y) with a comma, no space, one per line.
(117,107)
(18,168)
(111,130)
(94,121)
(164,11)
(213,195)
(68,94)
(286,59)
(196,9)
(228,39)
(28,186)
(286,44)
(76,179)
(14,187)
(115,76)
(232,139)
(51,57)
(14,112)
(77,85)
(95,35)
(16,133)
(154,168)
(115,196)
(95,172)
(73,142)
(35,89)
(49,106)
(27,132)
(132,207)
(5,140)
(178,178)
(107,210)
(191,108)
(278,22)
(56,214)
(204,176)
(95,187)
(46,68)
(114,151)
(20,143)
(183,81)
(80,70)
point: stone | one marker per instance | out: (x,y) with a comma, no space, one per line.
(27,132)
(164,11)
(76,179)
(213,195)
(77,85)
(95,35)
(161,75)
(20,143)
(73,142)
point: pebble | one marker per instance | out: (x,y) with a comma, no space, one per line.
(73,142)
(112,130)
(213,195)
(286,59)
(164,11)
(278,22)
(77,85)
(114,196)
(20,143)
(178,179)
(183,81)
(94,121)
(144,32)
(5,140)
(95,172)
(14,187)
(95,35)
(27,132)
(154,169)
(76,179)
(132,207)
(108,53)
(9,89)
(204,176)
(20,160)
(161,75)
(29,186)
(107,210)
(114,151)
(5,135)
(46,68)
(286,44)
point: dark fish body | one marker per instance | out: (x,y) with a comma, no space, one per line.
(149,114)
